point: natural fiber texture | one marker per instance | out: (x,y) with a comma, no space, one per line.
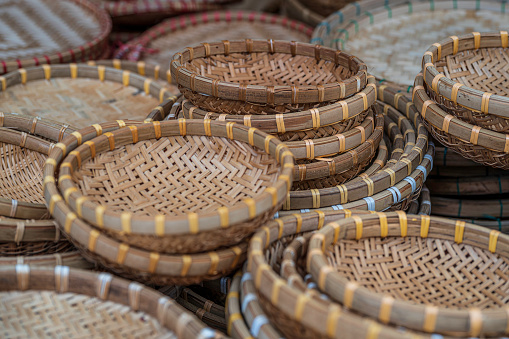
(325,7)
(11,249)
(161,42)
(51,32)
(472,186)
(394,32)
(70,258)
(472,207)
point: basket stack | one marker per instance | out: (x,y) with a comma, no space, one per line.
(312,12)
(344,274)
(398,31)
(168,202)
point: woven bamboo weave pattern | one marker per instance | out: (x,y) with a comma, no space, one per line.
(21,173)
(176,175)
(44,314)
(81,102)
(11,249)
(425,271)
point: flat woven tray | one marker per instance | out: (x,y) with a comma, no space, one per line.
(398,33)
(66,302)
(51,32)
(161,42)
(82,95)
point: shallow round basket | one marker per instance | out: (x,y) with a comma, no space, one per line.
(414,273)
(265,76)
(69,302)
(206,162)
(471,207)
(300,313)
(296,10)
(446,157)
(158,44)
(467,76)
(398,32)
(424,202)
(61,32)
(469,186)
(472,142)
(82,95)
(70,258)
(212,314)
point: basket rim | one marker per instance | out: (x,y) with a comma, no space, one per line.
(22,230)
(465,96)
(277,94)
(455,185)
(306,15)
(65,155)
(237,327)
(62,279)
(71,259)
(121,8)
(174,25)
(424,201)
(71,55)
(401,225)
(298,121)
(448,123)
(457,205)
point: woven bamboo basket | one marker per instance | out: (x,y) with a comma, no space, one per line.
(456,76)
(393,30)
(469,186)
(501,225)
(61,32)
(212,314)
(161,42)
(71,259)
(466,172)
(296,312)
(476,207)
(360,192)
(308,76)
(472,142)
(296,10)
(422,205)
(78,303)
(433,252)
(83,94)
(245,201)
(447,158)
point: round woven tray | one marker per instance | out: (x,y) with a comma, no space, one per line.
(231,197)
(77,303)
(420,283)
(83,95)
(467,76)
(473,142)
(282,76)
(475,207)
(161,42)
(304,314)
(398,32)
(446,157)
(51,32)
(461,186)
(70,258)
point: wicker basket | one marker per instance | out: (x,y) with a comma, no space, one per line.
(71,259)
(475,207)
(161,42)
(61,32)
(308,76)
(420,283)
(457,77)
(472,142)
(471,186)
(248,195)
(77,303)
(447,158)
(398,32)
(91,94)
(212,314)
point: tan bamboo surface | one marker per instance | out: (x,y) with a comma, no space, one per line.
(393,30)
(435,293)
(205,310)
(414,154)
(468,76)
(469,186)
(476,207)
(70,258)
(236,325)
(296,10)
(283,76)
(51,32)
(446,157)
(226,209)
(158,44)
(13,249)
(70,302)
(22,230)
(298,314)
(424,201)
(501,225)
(304,120)
(466,171)
(82,95)
(472,142)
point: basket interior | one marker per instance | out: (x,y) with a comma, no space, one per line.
(46,314)
(425,270)
(485,69)
(176,175)
(21,173)
(79,102)
(265,69)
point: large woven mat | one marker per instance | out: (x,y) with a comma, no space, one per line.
(484,69)
(44,314)
(21,173)
(393,48)
(176,175)
(425,271)
(79,102)
(167,45)
(44,27)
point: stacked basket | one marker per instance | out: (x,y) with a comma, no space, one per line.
(371,276)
